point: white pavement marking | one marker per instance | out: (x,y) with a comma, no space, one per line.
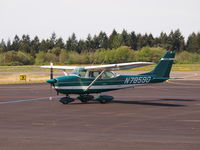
(28,100)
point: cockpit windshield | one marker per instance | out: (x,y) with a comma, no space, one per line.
(81,72)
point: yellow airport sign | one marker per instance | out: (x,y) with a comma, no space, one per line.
(22,77)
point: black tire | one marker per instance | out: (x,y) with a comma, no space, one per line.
(65,102)
(103,101)
(84,101)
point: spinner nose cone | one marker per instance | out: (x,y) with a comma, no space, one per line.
(51,81)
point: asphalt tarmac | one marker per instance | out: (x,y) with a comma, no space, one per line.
(156,117)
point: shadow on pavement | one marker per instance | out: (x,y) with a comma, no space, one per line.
(181,100)
(148,102)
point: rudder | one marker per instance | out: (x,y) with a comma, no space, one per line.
(164,66)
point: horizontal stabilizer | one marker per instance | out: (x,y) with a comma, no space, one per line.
(165,78)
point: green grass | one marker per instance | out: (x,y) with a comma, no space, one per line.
(14,78)
(176,67)
(22,69)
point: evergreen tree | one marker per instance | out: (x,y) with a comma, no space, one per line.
(89,42)
(141,41)
(8,45)
(126,38)
(176,40)
(198,41)
(16,43)
(43,46)
(35,44)
(59,43)
(163,41)
(133,39)
(52,41)
(25,44)
(112,37)
(103,40)
(95,43)
(53,37)
(115,40)
(81,46)
(2,46)
(72,43)
(150,40)
(193,44)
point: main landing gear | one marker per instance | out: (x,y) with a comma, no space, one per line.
(84,98)
(104,99)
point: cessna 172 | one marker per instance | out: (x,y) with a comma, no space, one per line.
(97,79)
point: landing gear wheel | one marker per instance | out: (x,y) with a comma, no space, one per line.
(84,101)
(66,100)
(103,101)
(84,98)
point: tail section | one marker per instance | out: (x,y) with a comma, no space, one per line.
(164,66)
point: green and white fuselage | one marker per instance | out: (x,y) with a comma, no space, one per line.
(76,85)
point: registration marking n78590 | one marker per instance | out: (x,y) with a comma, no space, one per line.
(137,80)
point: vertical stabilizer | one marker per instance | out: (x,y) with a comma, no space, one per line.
(164,66)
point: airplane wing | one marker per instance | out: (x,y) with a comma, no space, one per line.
(120,66)
(60,67)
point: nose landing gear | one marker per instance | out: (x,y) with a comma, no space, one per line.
(66,100)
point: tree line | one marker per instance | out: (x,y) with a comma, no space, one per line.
(24,50)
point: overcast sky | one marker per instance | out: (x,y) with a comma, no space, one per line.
(43,17)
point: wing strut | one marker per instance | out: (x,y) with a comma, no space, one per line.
(94,80)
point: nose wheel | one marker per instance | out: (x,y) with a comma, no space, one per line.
(66,100)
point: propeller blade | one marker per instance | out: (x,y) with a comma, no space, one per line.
(52,83)
(51,71)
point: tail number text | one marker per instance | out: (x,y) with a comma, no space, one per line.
(137,80)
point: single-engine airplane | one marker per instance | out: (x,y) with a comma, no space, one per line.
(97,79)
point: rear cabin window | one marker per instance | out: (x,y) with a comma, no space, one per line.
(93,74)
(108,75)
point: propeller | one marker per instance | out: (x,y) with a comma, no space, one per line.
(52,84)
(52,81)
(51,70)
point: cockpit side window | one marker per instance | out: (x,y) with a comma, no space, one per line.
(93,74)
(108,74)
(82,74)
